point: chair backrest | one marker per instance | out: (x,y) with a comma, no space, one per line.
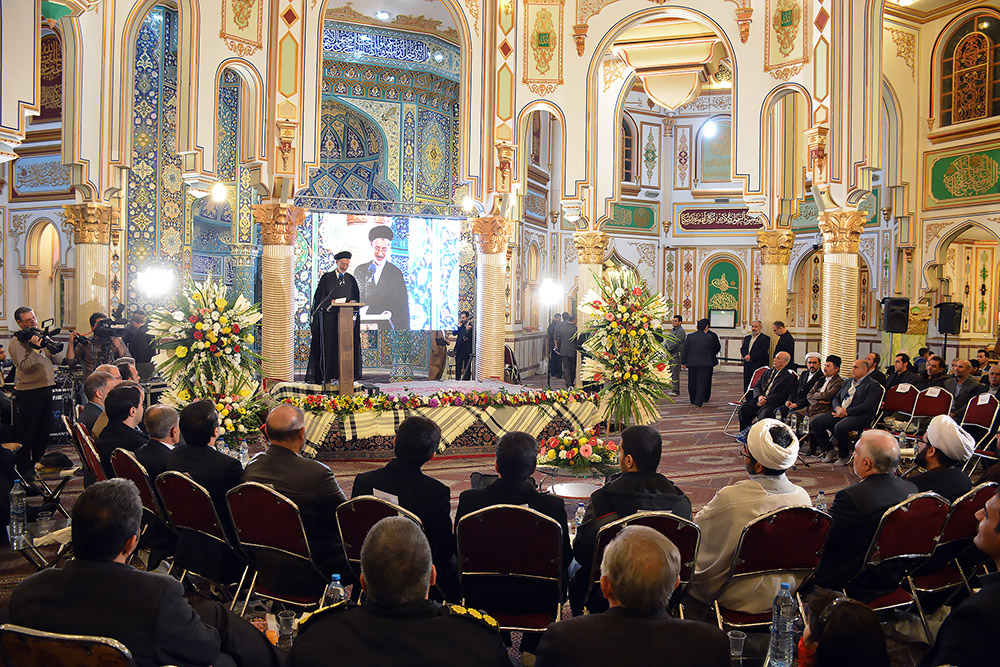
(91,458)
(265,519)
(757,375)
(900,400)
(189,505)
(962,523)
(932,402)
(357,516)
(125,465)
(24,647)
(979,416)
(909,531)
(789,539)
(74,437)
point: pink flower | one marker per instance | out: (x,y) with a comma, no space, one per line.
(609,317)
(433,403)
(636,291)
(586,451)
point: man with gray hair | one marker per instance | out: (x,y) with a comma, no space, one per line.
(639,571)
(163,427)
(397,623)
(856,512)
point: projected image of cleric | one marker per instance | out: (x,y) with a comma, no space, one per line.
(382,285)
(324,355)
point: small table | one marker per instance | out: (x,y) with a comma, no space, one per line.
(51,494)
(31,552)
(577,490)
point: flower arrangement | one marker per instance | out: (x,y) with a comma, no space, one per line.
(624,347)
(580,451)
(343,405)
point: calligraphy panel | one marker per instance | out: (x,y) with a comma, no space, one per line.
(722,289)
(39,174)
(50,80)
(966,175)
(716,219)
(543,45)
(786,46)
(243,25)
(637,218)
(715,153)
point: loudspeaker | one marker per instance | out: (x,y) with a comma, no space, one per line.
(895,314)
(950,317)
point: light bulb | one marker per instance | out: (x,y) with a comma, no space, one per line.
(219,192)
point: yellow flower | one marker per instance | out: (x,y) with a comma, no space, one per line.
(582,441)
(634,377)
(196,296)
(245,391)
(631,332)
(551,454)
(184,395)
(199,326)
(220,303)
(223,320)
(180,351)
(243,411)
(227,330)
(249,338)
(220,407)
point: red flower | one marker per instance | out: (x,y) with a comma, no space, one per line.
(636,291)
(236,348)
(193,319)
(198,335)
(661,366)
(592,442)
(212,348)
(236,328)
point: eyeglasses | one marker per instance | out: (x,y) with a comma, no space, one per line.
(745,451)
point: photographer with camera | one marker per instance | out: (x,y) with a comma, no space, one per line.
(102,346)
(32,350)
(137,338)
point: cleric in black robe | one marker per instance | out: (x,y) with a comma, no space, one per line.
(382,285)
(338,284)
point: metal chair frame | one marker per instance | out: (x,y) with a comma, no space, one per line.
(91,459)
(735,405)
(85,645)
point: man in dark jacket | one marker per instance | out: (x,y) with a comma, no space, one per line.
(902,372)
(639,488)
(699,355)
(755,351)
(324,347)
(566,346)
(785,343)
(96,388)
(874,359)
(853,410)
(401,483)
(941,452)
(555,361)
(639,572)
(463,346)
(124,410)
(775,388)
(808,380)
(856,512)
(163,427)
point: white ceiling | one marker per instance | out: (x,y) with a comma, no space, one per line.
(428,9)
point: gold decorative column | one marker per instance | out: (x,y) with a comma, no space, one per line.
(277,225)
(775,251)
(591,246)
(841,230)
(491,268)
(91,240)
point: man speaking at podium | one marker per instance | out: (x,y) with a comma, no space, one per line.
(324,350)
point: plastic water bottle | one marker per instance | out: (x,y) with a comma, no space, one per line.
(821,501)
(902,439)
(334,592)
(244,453)
(805,424)
(17,515)
(782,646)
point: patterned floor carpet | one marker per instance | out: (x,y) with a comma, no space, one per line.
(697,456)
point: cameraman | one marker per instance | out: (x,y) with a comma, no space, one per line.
(35,379)
(137,338)
(100,347)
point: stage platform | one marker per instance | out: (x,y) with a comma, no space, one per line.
(466,430)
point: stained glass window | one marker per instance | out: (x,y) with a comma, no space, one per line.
(970,77)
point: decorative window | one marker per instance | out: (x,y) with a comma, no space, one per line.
(628,151)
(970,75)
(715,151)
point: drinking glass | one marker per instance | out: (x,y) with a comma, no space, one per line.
(736,639)
(285,620)
(45,522)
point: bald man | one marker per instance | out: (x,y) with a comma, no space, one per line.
(775,388)
(856,512)
(854,408)
(101,420)
(963,386)
(307,482)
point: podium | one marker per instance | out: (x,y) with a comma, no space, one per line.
(345,339)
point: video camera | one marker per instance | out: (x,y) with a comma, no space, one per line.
(45,334)
(112,326)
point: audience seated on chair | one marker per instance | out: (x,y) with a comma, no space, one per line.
(163,427)
(515,462)
(771,449)
(808,380)
(936,375)
(217,472)
(854,408)
(402,483)
(96,388)
(639,571)
(857,511)
(941,452)
(397,623)
(98,593)
(774,390)
(306,482)
(639,488)
(820,398)
(873,359)
(964,388)
(968,635)
(102,417)
(902,372)
(840,631)
(124,411)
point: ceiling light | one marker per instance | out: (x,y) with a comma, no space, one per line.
(155,281)
(984,25)
(219,192)
(709,129)
(382,15)
(438,56)
(468,205)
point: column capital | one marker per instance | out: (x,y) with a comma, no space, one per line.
(243,254)
(91,222)
(775,245)
(278,222)
(816,139)
(591,245)
(841,229)
(491,233)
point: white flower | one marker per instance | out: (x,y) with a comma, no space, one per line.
(228,422)
(229,350)
(215,314)
(619,292)
(562,454)
(179,316)
(596,458)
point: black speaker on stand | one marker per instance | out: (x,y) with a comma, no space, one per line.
(895,317)
(949,320)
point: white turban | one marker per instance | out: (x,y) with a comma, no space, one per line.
(945,434)
(814,355)
(766,451)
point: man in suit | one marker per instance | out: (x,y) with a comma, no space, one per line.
(773,391)
(124,411)
(163,427)
(96,388)
(902,372)
(217,472)
(307,482)
(823,392)
(515,462)
(809,378)
(324,348)
(854,407)
(639,488)
(771,450)
(963,387)
(965,637)
(401,482)
(755,351)
(935,374)
(463,346)
(856,512)
(555,361)
(101,421)
(674,342)
(785,343)
(639,572)
(398,624)
(983,357)
(383,287)
(993,381)
(699,355)
(942,451)
(566,346)
(98,593)
(874,359)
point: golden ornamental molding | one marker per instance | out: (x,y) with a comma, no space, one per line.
(917,319)
(91,222)
(841,229)
(491,231)
(278,222)
(591,246)
(775,246)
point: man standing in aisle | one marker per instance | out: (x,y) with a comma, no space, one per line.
(699,355)
(674,342)
(566,345)
(785,343)
(383,287)
(463,346)
(755,351)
